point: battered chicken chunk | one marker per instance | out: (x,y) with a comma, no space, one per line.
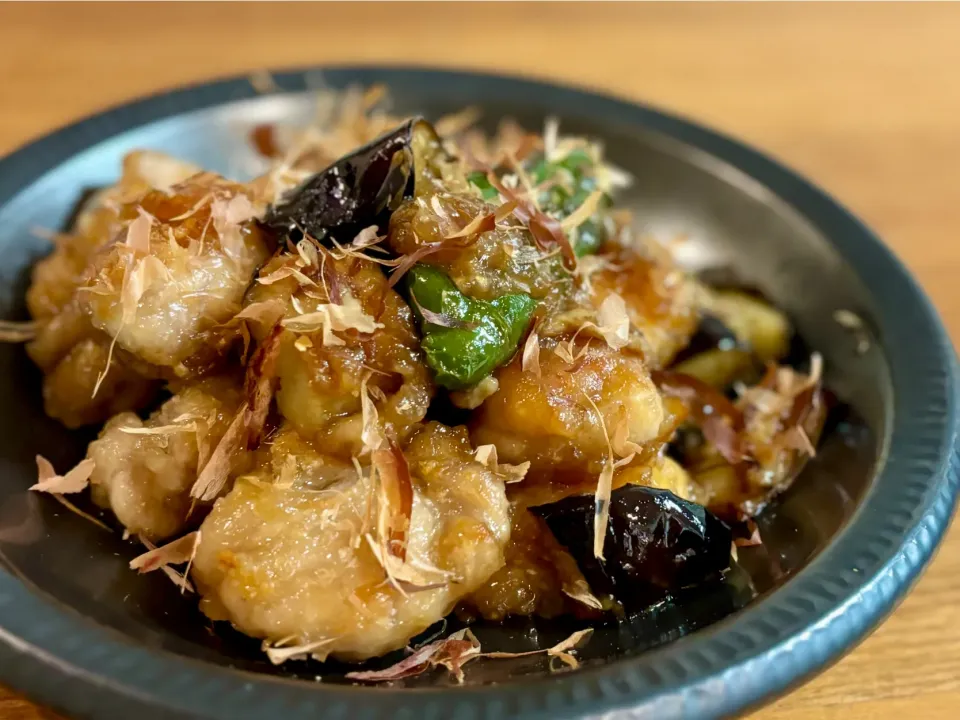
(660,300)
(539,576)
(70,351)
(68,387)
(344,331)
(186,261)
(557,421)
(144,470)
(783,417)
(57,276)
(286,562)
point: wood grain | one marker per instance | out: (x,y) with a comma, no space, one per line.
(864,99)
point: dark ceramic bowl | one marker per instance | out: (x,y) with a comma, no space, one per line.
(82,633)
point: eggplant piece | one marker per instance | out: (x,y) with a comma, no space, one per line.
(656,543)
(712,333)
(722,490)
(716,355)
(687,445)
(719,368)
(359,190)
(742,491)
(757,324)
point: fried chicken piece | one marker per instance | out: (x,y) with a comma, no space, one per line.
(539,576)
(68,388)
(68,349)
(661,301)
(285,561)
(144,470)
(551,420)
(57,276)
(322,372)
(783,416)
(182,270)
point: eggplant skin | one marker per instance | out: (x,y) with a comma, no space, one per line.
(712,333)
(656,543)
(359,190)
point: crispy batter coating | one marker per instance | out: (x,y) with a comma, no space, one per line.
(163,300)
(145,477)
(289,562)
(661,301)
(550,420)
(321,376)
(71,352)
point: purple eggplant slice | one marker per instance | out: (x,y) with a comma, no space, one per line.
(656,543)
(359,190)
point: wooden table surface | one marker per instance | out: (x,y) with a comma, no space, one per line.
(863,99)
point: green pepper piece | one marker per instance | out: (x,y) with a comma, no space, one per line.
(480,180)
(590,237)
(540,171)
(576,160)
(485,335)
(560,202)
(591,233)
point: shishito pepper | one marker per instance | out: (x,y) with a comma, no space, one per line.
(480,180)
(562,199)
(464,339)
